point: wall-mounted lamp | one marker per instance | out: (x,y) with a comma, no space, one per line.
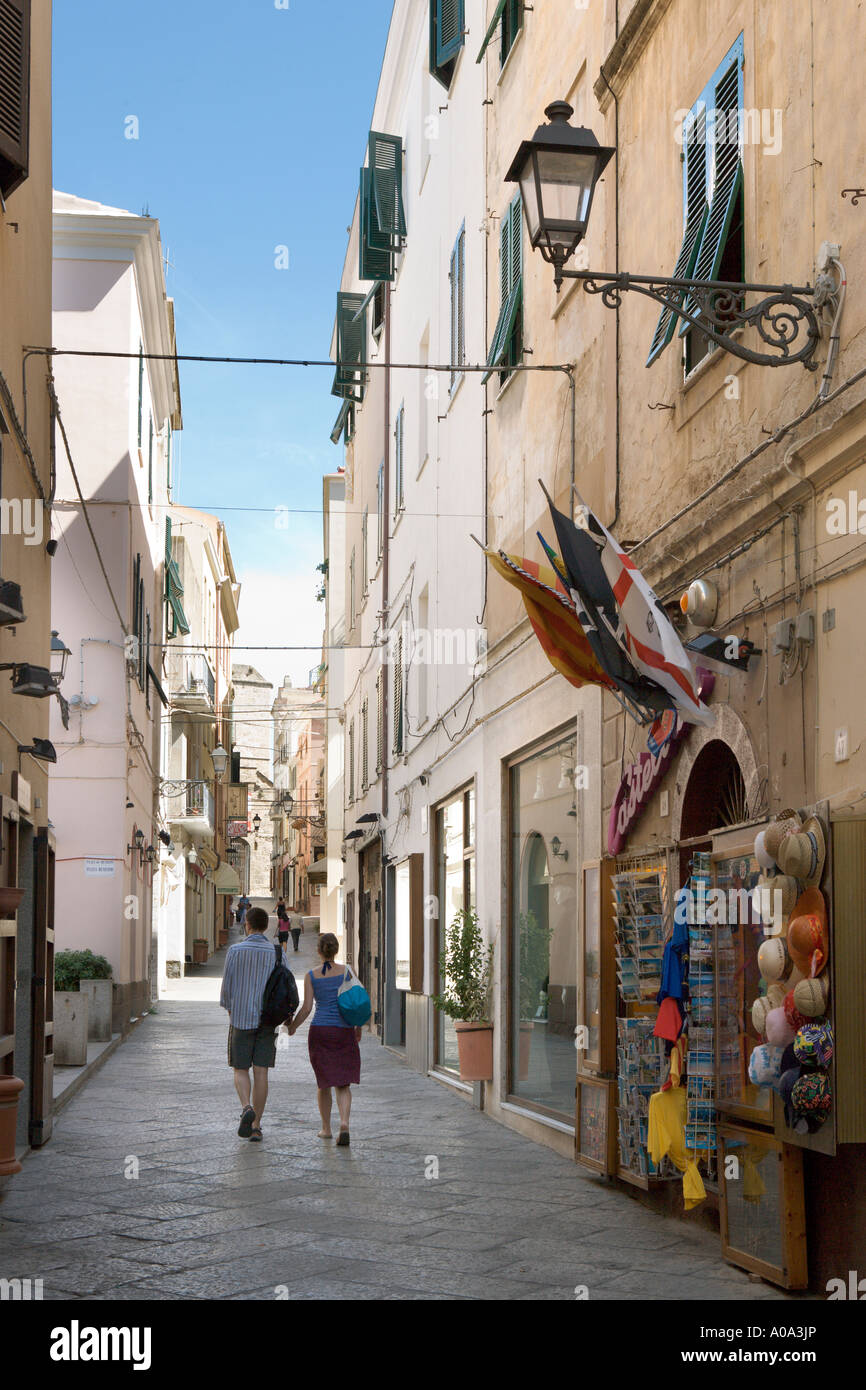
(219,758)
(558,851)
(137,844)
(41,748)
(60,654)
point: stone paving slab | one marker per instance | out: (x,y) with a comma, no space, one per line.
(212,1216)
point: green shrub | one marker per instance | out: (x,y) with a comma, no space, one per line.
(465,970)
(72,966)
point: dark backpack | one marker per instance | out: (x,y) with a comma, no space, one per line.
(280,999)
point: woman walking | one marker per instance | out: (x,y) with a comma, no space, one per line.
(332,1042)
(282,923)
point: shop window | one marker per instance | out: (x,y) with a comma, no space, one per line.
(455,878)
(542,945)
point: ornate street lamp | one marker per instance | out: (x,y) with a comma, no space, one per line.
(60,654)
(557,171)
(219,758)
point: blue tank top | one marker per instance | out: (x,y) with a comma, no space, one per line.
(325,989)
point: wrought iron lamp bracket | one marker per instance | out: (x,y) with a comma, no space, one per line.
(780,317)
(177,788)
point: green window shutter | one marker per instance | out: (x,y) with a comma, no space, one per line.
(497,15)
(695,201)
(446,37)
(376,260)
(150,461)
(449,30)
(349,381)
(727,171)
(342,423)
(510,284)
(386,170)
(398,459)
(14,93)
(456,277)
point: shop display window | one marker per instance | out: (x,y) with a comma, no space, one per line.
(543,930)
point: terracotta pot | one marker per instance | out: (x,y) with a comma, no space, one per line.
(224,936)
(199,951)
(524,1045)
(10,900)
(475,1049)
(10,1089)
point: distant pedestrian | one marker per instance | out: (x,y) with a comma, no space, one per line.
(243,905)
(296,928)
(251,1044)
(282,922)
(333,1043)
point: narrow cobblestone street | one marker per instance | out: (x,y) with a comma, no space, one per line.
(211,1216)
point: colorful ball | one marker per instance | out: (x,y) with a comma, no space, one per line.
(778,1030)
(811,1099)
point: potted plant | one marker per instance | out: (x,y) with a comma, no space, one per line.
(83,973)
(534,968)
(466,968)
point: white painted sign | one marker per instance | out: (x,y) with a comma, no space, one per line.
(99,868)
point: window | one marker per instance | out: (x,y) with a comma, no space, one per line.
(458,307)
(150,461)
(380,508)
(352,589)
(712,246)
(365,745)
(350,377)
(380,712)
(140,394)
(176,619)
(14,94)
(542,945)
(455,886)
(508,17)
(409,924)
(398,460)
(446,38)
(398,697)
(364,561)
(379,310)
(350,748)
(507,346)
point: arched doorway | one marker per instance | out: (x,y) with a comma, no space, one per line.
(715,794)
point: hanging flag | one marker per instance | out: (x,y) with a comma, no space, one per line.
(639,622)
(600,618)
(554,621)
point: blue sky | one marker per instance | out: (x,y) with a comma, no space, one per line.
(253,118)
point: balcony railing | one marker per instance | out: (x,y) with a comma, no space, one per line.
(197,688)
(196,808)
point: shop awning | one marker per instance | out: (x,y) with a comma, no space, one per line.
(318,872)
(225,880)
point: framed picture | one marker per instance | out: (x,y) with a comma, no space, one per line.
(763,1217)
(594,1130)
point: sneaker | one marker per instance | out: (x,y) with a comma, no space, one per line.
(245,1128)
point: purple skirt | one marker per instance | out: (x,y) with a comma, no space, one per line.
(335,1055)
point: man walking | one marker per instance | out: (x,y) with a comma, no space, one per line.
(251,1044)
(297,926)
(243,907)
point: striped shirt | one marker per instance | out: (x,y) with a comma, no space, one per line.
(248,967)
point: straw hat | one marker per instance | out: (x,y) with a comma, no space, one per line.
(808,937)
(811,996)
(802,854)
(762,854)
(774,960)
(785,823)
(785,884)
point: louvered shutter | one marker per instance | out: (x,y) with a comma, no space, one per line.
(398,697)
(461,298)
(510,284)
(398,460)
(386,170)
(497,15)
(351,761)
(380,691)
(14,93)
(449,30)
(365,743)
(349,381)
(727,172)
(695,199)
(375,259)
(341,425)
(365,523)
(380,508)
